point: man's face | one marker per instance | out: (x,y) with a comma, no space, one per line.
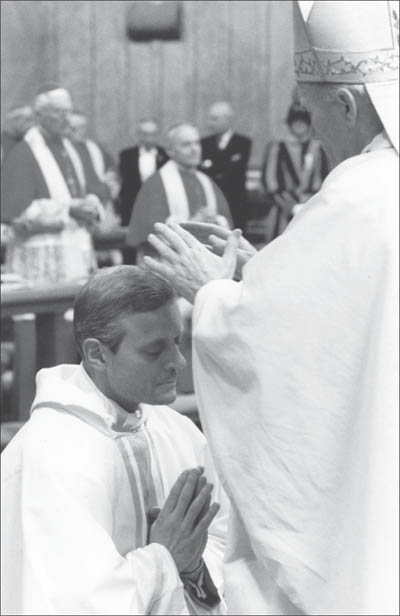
(326,121)
(55,119)
(218,120)
(186,147)
(300,129)
(145,366)
(148,134)
(77,129)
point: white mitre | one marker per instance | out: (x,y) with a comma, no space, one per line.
(353,42)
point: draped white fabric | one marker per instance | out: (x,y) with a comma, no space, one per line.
(296,373)
(176,194)
(77,484)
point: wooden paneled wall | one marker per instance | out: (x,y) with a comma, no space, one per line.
(235,50)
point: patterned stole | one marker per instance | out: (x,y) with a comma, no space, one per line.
(144,475)
(140,460)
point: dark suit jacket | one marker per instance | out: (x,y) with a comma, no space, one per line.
(227,168)
(130,179)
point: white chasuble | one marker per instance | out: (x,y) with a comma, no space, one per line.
(296,374)
(78,482)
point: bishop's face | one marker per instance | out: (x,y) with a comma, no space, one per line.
(55,119)
(186,147)
(327,120)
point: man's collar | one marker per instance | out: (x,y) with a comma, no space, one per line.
(112,413)
(182,168)
(379,142)
(143,150)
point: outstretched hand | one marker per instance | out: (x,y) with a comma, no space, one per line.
(244,253)
(186,263)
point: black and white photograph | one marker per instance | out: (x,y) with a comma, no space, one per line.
(199,307)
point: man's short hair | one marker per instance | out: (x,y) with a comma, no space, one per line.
(110,295)
(222,106)
(174,130)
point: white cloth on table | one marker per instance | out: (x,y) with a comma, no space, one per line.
(296,376)
(78,481)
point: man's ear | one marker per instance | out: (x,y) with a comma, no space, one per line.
(349,106)
(94,353)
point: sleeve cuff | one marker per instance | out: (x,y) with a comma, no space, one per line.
(200,587)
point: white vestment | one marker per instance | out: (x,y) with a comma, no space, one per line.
(296,374)
(64,256)
(176,195)
(78,481)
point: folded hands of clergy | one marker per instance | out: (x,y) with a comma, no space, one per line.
(186,262)
(181,525)
(86,211)
(41,216)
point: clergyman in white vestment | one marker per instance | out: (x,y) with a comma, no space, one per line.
(84,479)
(296,366)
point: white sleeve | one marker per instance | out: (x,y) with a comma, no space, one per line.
(67,518)
(217,534)
(213,555)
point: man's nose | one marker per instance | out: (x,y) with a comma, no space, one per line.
(177,360)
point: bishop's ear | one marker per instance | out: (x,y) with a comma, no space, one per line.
(348,106)
(94,353)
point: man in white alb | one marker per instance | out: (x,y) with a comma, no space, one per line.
(106,500)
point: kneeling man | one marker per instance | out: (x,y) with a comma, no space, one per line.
(106,505)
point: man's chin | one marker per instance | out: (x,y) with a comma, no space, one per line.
(166,394)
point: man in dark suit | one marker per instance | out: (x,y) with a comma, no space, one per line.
(225,158)
(137,164)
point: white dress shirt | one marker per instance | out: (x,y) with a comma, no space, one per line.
(147,162)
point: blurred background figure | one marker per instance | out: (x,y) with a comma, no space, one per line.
(100,159)
(17,122)
(293,170)
(101,174)
(137,164)
(225,156)
(47,199)
(177,191)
